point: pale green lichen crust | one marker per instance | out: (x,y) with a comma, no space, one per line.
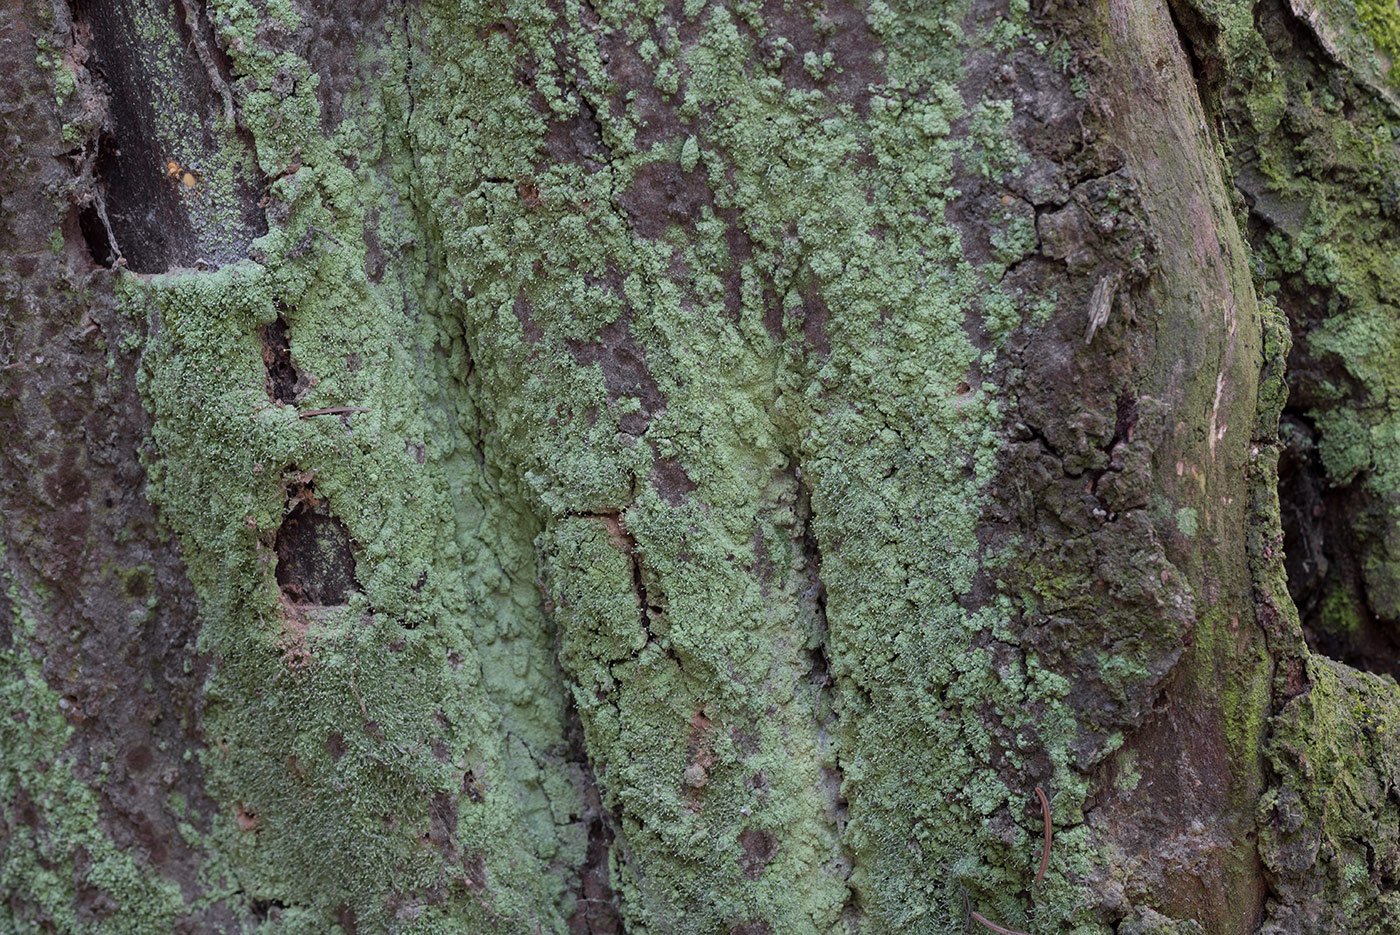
(678,508)
(667,415)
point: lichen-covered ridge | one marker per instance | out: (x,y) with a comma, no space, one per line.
(701,467)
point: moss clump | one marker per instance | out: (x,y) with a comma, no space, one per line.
(1329,823)
(1381,21)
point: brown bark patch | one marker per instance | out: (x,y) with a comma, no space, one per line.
(671,481)
(756,850)
(752,927)
(625,372)
(315,561)
(829,49)
(662,193)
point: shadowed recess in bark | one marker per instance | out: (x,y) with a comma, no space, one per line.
(595,901)
(285,383)
(1329,271)
(174,185)
(315,564)
(1326,569)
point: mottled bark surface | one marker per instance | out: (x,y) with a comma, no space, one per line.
(687,467)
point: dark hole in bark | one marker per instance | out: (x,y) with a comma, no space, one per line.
(1326,536)
(471,789)
(315,561)
(284,381)
(1198,40)
(143,211)
(1125,418)
(264,909)
(95,236)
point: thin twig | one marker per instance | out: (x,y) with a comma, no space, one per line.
(330,237)
(1049,832)
(992,925)
(331,410)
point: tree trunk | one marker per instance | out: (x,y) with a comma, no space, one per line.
(766,468)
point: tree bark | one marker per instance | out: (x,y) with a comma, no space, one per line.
(755,468)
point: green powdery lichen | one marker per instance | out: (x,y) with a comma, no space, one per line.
(663,623)
(366,731)
(1186,520)
(755,571)
(1382,23)
(55,847)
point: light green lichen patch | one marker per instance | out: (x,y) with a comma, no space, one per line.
(1186,521)
(395,760)
(668,430)
(685,361)
(54,848)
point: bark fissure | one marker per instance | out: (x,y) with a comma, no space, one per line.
(597,910)
(827,687)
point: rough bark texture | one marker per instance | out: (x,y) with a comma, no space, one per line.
(685,467)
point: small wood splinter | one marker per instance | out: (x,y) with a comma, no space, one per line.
(1101,303)
(332,410)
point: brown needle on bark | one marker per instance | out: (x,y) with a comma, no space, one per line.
(993,926)
(1049,831)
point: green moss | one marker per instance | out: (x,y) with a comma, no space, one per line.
(1342,613)
(1334,749)
(1381,21)
(1328,247)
